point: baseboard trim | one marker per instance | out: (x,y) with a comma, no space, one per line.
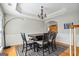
(62,44)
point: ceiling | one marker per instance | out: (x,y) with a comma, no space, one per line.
(31,10)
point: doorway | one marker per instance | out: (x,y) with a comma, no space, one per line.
(53,28)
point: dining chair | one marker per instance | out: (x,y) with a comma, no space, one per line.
(43,44)
(26,43)
(52,39)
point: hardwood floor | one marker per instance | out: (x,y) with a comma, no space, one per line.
(10,51)
(67,52)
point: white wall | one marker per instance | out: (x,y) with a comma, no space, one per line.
(18,25)
(29,26)
(64,34)
(1,16)
(26,25)
(0,30)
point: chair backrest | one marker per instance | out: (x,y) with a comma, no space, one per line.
(39,37)
(45,38)
(50,35)
(54,35)
(23,36)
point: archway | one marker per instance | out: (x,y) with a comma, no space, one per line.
(52,26)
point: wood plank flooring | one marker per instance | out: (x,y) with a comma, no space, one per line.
(67,52)
(10,51)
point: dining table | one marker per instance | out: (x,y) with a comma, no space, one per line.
(35,38)
(35,35)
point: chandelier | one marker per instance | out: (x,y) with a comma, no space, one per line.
(42,15)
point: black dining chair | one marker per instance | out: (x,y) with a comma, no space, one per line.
(52,39)
(26,43)
(43,44)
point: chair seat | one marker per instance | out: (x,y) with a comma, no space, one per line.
(30,41)
(50,40)
(40,42)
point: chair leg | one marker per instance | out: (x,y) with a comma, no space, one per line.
(43,50)
(37,47)
(52,45)
(34,47)
(49,49)
(26,51)
(23,47)
(31,46)
(55,44)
